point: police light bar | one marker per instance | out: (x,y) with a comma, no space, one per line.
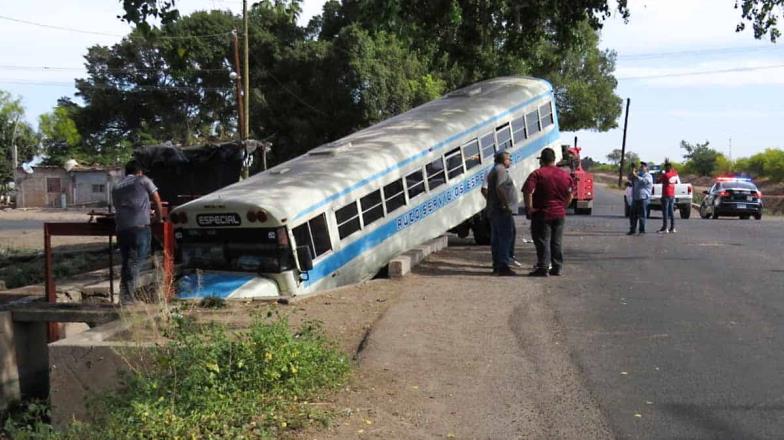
(733,179)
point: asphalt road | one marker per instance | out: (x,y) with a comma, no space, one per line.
(676,336)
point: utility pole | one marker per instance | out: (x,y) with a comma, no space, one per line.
(623,146)
(246,70)
(14,151)
(238,83)
(730,149)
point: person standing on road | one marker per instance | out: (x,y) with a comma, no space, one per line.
(642,184)
(668,181)
(131,197)
(546,193)
(501,200)
(512,259)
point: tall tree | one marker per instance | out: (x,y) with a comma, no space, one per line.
(170,83)
(14,130)
(60,137)
(701,158)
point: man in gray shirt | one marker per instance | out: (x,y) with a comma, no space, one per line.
(131,197)
(642,185)
(501,202)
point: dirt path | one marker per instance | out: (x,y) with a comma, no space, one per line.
(462,354)
(23,228)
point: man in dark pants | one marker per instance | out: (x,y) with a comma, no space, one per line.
(131,197)
(547,192)
(501,197)
(642,185)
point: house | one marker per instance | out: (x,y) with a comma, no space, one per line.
(54,187)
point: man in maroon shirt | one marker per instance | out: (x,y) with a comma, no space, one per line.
(547,192)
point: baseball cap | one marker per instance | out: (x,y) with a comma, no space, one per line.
(547,155)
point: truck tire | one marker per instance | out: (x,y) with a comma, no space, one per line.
(685,211)
(481,229)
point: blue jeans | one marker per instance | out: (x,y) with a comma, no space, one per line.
(501,238)
(668,211)
(134,246)
(637,215)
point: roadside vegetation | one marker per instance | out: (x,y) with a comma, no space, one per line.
(23,267)
(210,382)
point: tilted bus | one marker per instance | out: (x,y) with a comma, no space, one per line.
(337,214)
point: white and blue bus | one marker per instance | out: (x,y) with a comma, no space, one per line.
(337,214)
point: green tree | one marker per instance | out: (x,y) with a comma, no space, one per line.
(764,17)
(615,156)
(14,130)
(158,86)
(60,137)
(467,41)
(700,158)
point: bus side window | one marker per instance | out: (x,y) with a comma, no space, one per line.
(347,219)
(518,130)
(471,154)
(320,233)
(303,238)
(532,123)
(546,113)
(487,144)
(394,195)
(315,234)
(454,163)
(415,183)
(504,136)
(435,173)
(372,207)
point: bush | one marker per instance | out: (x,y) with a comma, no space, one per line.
(210,383)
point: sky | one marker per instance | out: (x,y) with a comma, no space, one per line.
(688,74)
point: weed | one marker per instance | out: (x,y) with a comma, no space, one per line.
(208,382)
(212,302)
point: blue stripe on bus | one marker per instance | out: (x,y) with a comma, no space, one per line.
(220,285)
(420,212)
(421,154)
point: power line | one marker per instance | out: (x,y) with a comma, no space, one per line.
(109,87)
(59,28)
(703,72)
(718,50)
(106,34)
(108,69)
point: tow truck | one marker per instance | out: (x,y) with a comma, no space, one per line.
(582,202)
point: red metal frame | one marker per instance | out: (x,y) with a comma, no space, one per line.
(105,227)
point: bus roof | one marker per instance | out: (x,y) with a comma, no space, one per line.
(298,188)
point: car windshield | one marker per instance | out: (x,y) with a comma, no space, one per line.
(739,185)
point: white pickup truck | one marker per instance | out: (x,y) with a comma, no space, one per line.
(683,195)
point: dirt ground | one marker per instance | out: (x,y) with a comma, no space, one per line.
(23,228)
(452,352)
(449,351)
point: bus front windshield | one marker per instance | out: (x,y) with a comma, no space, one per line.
(259,250)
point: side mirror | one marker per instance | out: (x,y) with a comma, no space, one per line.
(705,192)
(304,258)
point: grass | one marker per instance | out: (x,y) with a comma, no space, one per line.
(209,382)
(25,267)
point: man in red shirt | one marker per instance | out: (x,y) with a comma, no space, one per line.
(668,181)
(547,192)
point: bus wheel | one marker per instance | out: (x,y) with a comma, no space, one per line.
(481,229)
